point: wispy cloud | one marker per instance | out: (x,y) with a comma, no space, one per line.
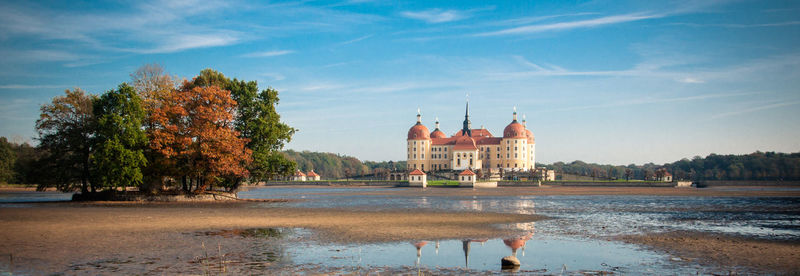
(652,100)
(736,25)
(274,76)
(355,40)
(589,23)
(269,53)
(33,86)
(691,80)
(754,109)
(435,15)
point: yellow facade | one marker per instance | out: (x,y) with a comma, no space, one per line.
(471,148)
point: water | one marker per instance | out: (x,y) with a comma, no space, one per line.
(589,215)
(22,197)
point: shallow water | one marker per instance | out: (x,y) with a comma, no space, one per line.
(590,215)
(32,196)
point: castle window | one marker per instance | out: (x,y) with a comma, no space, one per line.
(508,148)
(423,156)
(515,165)
(423,167)
(515,141)
(498,156)
(458,162)
(508,155)
(470,155)
(445,155)
(415,157)
(415,142)
(515,156)
(458,155)
(470,161)
(498,148)
(445,149)
(515,148)
(415,166)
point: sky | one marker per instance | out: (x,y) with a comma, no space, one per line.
(614,82)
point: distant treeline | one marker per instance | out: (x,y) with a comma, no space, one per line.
(336,166)
(754,166)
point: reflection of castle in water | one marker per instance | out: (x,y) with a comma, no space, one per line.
(514,243)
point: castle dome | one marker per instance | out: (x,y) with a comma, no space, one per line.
(529,134)
(514,130)
(418,132)
(438,134)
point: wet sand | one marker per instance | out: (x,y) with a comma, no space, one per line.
(731,252)
(56,235)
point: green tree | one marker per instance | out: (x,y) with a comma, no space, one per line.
(119,157)
(8,159)
(66,129)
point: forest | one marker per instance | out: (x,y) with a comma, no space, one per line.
(753,166)
(156,132)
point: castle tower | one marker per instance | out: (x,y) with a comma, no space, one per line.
(418,146)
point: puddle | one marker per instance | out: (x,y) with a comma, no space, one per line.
(249,233)
(32,196)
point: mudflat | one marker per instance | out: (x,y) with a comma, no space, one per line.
(56,235)
(733,252)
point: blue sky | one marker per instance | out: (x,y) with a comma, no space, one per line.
(610,82)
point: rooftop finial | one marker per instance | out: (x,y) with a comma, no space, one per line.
(437,123)
(419,116)
(515,113)
(524,123)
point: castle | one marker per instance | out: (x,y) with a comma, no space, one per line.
(471,148)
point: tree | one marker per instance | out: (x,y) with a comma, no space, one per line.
(258,121)
(628,173)
(153,85)
(66,129)
(8,159)
(119,157)
(194,128)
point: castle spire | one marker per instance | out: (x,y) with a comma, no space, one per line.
(437,123)
(467,129)
(419,116)
(515,113)
(524,123)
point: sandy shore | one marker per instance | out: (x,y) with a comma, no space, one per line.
(57,235)
(732,252)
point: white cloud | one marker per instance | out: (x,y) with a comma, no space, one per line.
(269,53)
(435,15)
(691,80)
(590,23)
(274,76)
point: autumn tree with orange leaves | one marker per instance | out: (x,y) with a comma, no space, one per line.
(194,128)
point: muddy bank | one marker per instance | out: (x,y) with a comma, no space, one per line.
(736,253)
(57,235)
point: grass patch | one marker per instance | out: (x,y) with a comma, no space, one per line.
(442,183)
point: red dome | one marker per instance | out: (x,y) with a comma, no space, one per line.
(514,130)
(418,132)
(529,134)
(438,134)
